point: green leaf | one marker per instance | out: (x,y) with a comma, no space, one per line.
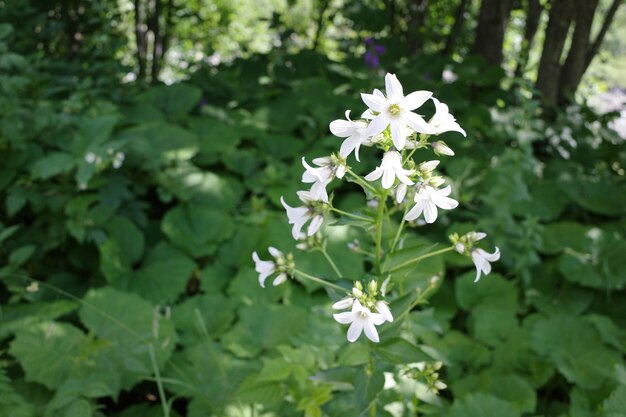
(11,403)
(398,351)
(129,324)
(482,405)
(492,290)
(214,135)
(559,236)
(263,327)
(511,388)
(21,255)
(367,387)
(21,316)
(175,101)
(163,275)
(576,349)
(79,408)
(615,405)
(69,355)
(52,164)
(197,229)
(216,311)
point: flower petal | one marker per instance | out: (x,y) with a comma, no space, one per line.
(389,177)
(343,303)
(341,128)
(377,125)
(384,311)
(393,88)
(415,212)
(355,330)
(399,140)
(430,211)
(370,331)
(315,225)
(279,279)
(274,252)
(375,103)
(344,318)
(415,99)
(374,175)
(417,123)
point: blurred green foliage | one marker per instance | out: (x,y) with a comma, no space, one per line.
(138,209)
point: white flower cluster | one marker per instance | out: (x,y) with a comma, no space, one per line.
(391,124)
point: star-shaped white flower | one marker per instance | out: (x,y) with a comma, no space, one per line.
(353,131)
(322,175)
(396,110)
(481,260)
(267,268)
(360,319)
(389,169)
(443,121)
(427,199)
(299,216)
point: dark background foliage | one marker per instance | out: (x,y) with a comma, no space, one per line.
(144,148)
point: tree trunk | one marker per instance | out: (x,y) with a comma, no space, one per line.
(533,14)
(492,21)
(595,46)
(574,67)
(320,23)
(559,21)
(418,11)
(157,46)
(456,28)
(140,38)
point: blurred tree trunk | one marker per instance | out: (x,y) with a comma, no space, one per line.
(533,14)
(418,12)
(574,67)
(456,27)
(559,21)
(595,46)
(492,22)
(141,41)
(154,26)
(322,7)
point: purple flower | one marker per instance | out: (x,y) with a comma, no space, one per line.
(373,53)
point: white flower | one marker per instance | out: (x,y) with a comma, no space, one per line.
(298,216)
(427,199)
(327,169)
(481,260)
(389,169)
(267,268)
(443,121)
(344,303)
(360,319)
(384,311)
(354,132)
(395,111)
(401,190)
(441,148)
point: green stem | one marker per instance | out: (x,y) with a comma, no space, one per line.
(419,258)
(361,182)
(157,375)
(353,216)
(379,230)
(409,156)
(318,280)
(399,231)
(331,262)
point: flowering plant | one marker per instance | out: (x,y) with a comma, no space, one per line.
(398,184)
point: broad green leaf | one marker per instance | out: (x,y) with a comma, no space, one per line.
(260,392)
(263,327)
(399,351)
(11,403)
(69,355)
(559,236)
(52,164)
(511,388)
(217,314)
(20,316)
(129,325)
(492,290)
(492,324)
(197,229)
(21,254)
(482,405)
(175,101)
(367,387)
(163,275)
(576,349)
(214,135)
(615,405)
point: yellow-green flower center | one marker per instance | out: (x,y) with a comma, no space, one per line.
(394,110)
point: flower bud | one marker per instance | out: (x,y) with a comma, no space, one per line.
(428,166)
(436,181)
(460,248)
(441,148)
(357,292)
(372,288)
